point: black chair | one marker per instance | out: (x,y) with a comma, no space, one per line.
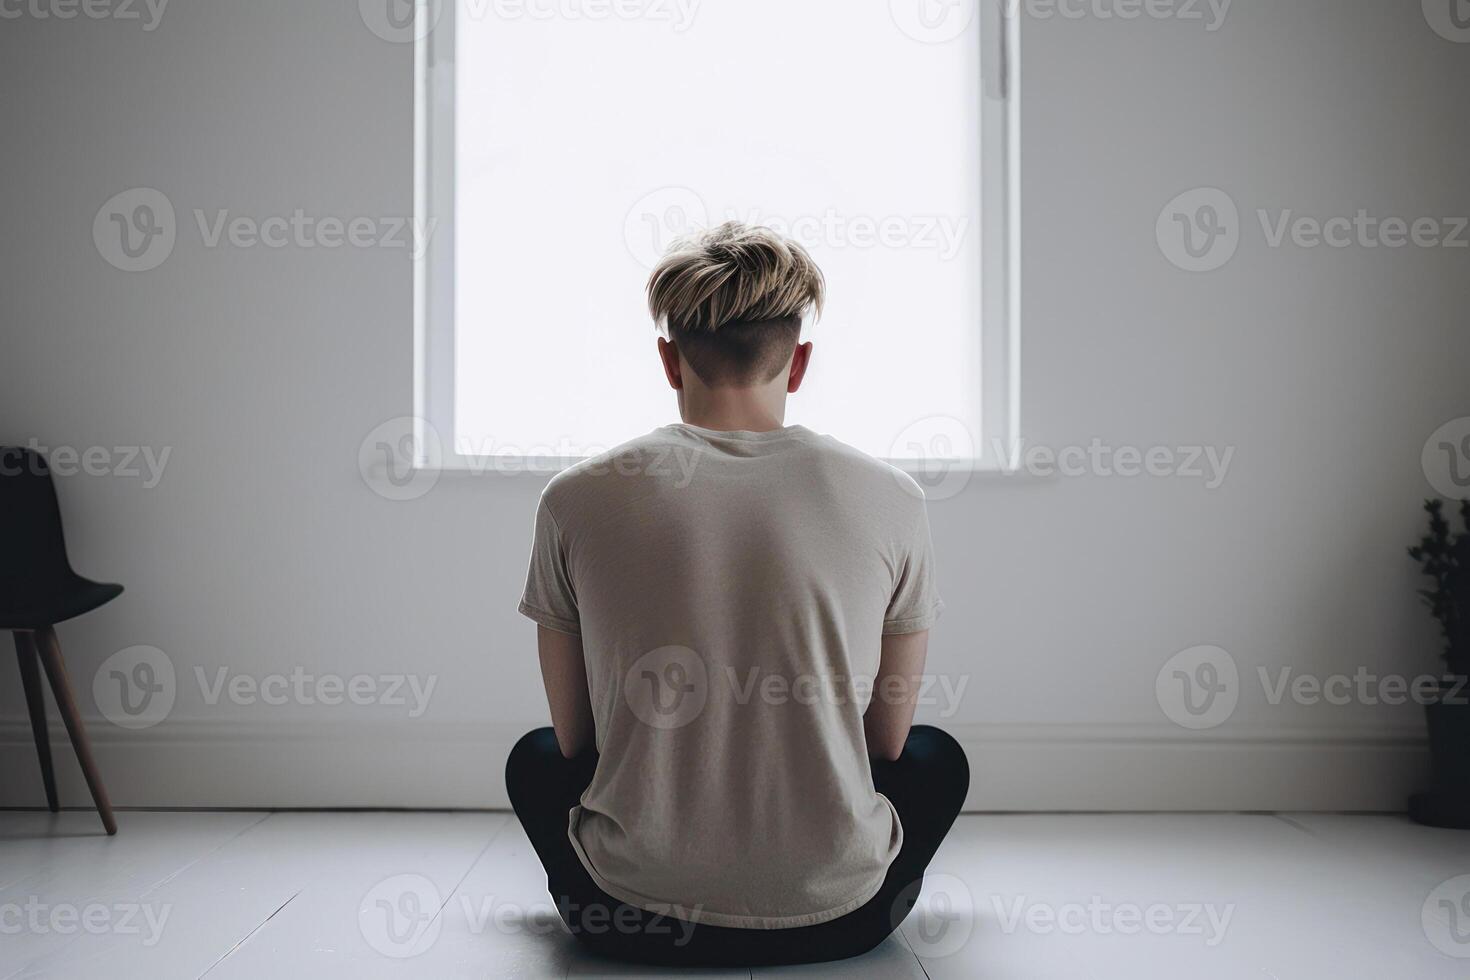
(38,589)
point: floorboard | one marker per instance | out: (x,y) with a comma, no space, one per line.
(460,895)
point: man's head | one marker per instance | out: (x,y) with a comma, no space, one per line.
(732,301)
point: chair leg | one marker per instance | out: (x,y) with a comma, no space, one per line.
(30,679)
(50,650)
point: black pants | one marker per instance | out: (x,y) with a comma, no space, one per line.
(926,785)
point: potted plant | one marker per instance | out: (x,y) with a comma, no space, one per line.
(1444,557)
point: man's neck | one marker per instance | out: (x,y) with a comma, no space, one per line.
(733,409)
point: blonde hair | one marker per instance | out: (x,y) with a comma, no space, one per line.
(732,299)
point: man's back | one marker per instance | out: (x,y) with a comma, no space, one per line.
(731,590)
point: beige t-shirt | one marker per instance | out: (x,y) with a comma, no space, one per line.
(731,590)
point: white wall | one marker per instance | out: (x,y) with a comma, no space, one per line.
(262,550)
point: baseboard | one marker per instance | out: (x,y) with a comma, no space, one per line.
(433,765)
(1127,767)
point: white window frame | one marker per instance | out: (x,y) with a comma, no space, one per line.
(433,277)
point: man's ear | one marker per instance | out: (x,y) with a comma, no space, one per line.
(799,361)
(669,354)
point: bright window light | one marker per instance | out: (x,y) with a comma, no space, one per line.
(562,150)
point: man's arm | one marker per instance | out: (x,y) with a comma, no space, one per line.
(895,694)
(564,672)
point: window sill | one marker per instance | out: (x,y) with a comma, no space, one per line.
(511,466)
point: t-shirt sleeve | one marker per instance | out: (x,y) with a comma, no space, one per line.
(915,604)
(549,598)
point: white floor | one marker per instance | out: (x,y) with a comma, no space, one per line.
(441,895)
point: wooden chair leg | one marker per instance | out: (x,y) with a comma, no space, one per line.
(30,679)
(50,651)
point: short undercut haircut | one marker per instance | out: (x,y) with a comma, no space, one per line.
(732,300)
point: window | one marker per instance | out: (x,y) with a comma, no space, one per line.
(563,143)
